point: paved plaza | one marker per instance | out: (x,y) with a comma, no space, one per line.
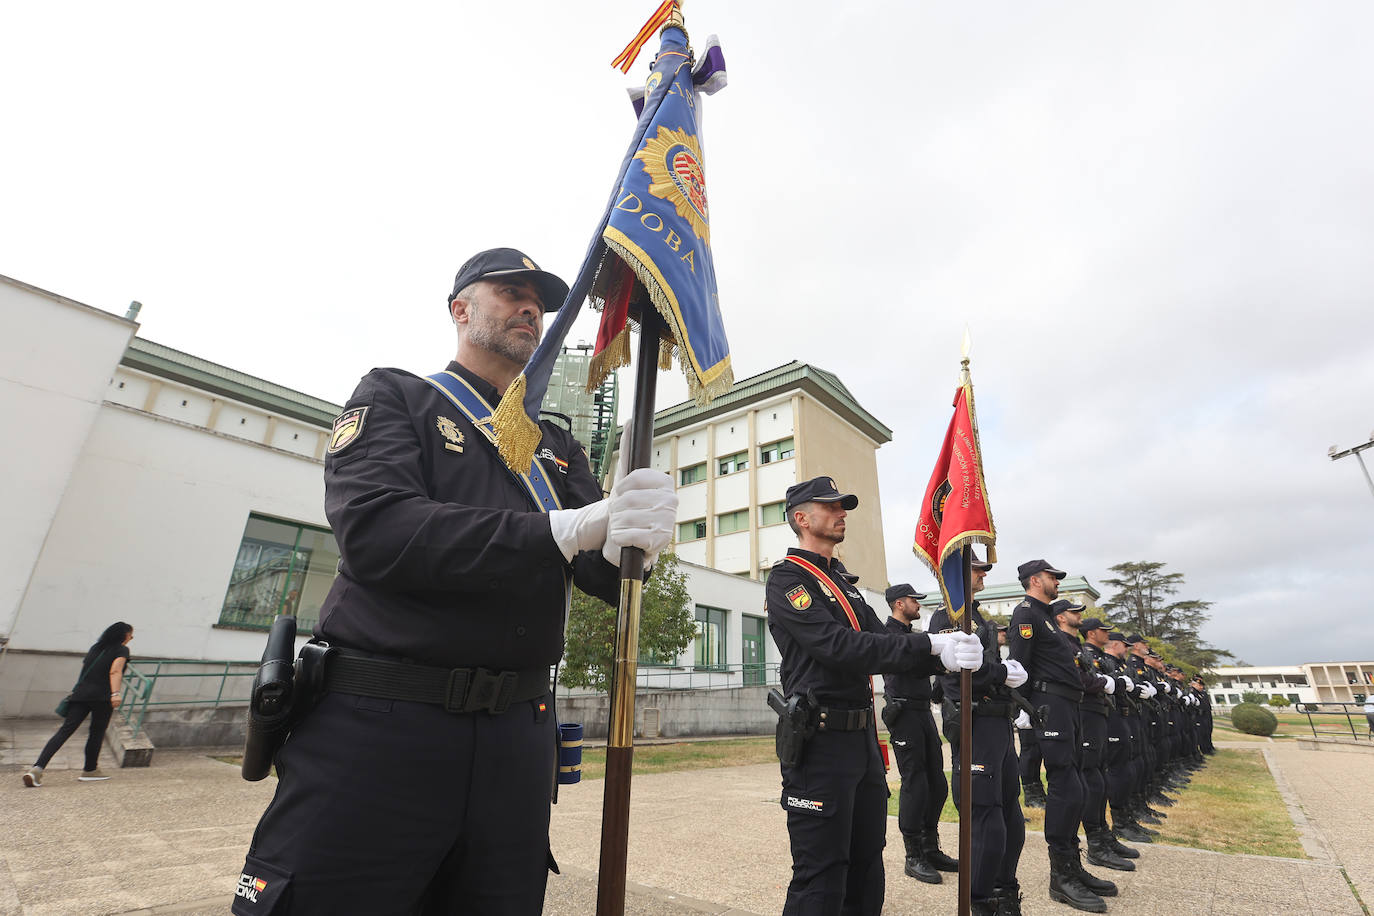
(171,838)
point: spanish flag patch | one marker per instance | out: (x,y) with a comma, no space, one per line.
(799,598)
(1025,630)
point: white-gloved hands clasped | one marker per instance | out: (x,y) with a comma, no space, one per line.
(1109,685)
(1147,690)
(1022,720)
(1016,676)
(576,530)
(1130,684)
(642,511)
(957,650)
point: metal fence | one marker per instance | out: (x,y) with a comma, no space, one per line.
(182,683)
(1331,711)
(722,677)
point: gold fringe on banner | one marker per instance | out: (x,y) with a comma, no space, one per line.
(615,356)
(517,436)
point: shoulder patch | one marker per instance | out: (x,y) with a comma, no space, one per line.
(1025,630)
(799,598)
(348,427)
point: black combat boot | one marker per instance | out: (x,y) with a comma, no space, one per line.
(1146,815)
(930,848)
(1099,886)
(1008,899)
(1101,852)
(1159,798)
(986,907)
(916,865)
(1129,830)
(1035,795)
(1065,886)
(1115,835)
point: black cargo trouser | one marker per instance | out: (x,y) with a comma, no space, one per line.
(1094,749)
(836,804)
(1029,759)
(1059,733)
(394,807)
(916,745)
(1120,767)
(998,829)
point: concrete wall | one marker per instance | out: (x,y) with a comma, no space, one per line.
(679,714)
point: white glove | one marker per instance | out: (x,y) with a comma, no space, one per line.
(1130,684)
(1147,690)
(1192,700)
(576,530)
(957,650)
(1022,720)
(642,511)
(1016,676)
(1108,685)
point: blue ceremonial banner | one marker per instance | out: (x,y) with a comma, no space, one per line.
(652,248)
(952,584)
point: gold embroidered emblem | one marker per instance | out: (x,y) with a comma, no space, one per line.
(528,263)
(677,174)
(826,591)
(450,431)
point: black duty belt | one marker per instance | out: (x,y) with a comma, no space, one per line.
(832,719)
(1097,705)
(1002,709)
(455,689)
(1058,690)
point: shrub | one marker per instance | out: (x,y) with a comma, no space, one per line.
(1253,696)
(1278,699)
(1254,719)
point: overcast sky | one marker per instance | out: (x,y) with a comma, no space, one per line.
(1157,221)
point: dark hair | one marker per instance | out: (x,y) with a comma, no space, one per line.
(114,635)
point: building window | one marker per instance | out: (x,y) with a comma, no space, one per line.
(691,531)
(730,522)
(777,451)
(695,474)
(732,463)
(1293,698)
(1235,700)
(772,514)
(281,568)
(1221,699)
(710,637)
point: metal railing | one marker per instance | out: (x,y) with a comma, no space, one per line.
(1348,710)
(219,683)
(716,677)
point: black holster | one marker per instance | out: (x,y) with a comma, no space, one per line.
(795,725)
(270,705)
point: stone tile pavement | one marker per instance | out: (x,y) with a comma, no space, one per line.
(170,839)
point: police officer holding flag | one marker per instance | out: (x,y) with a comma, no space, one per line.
(834,788)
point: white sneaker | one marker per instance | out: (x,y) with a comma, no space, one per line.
(34,777)
(91,775)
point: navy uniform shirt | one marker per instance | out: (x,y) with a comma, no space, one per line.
(444,558)
(906,685)
(1040,646)
(820,649)
(988,679)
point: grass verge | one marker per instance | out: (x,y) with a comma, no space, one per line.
(1231,806)
(685,755)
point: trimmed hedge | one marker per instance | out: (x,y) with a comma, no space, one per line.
(1253,719)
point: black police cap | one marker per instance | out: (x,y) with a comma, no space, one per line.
(901,591)
(1116,636)
(978,564)
(504,262)
(1091,623)
(1026,570)
(819,490)
(1064,604)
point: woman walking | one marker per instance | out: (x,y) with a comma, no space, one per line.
(96,694)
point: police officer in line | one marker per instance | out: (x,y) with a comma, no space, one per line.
(420,780)
(999,828)
(1204,736)
(916,745)
(1029,762)
(1124,761)
(1101,732)
(835,790)
(1056,689)
(1149,791)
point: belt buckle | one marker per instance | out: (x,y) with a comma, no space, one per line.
(455,695)
(490,691)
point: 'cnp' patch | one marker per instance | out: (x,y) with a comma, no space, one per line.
(347,428)
(799,598)
(1025,630)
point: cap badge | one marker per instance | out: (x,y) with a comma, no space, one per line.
(347,428)
(528,263)
(450,431)
(799,598)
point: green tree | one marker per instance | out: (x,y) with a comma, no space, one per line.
(1143,604)
(666,626)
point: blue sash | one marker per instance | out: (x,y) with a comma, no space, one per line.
(533,483)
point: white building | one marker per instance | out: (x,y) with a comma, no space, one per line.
(1314,682)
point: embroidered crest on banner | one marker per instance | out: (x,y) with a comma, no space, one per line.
(799,598)
(937,501)
(1025,630)
(450,431)
(347,428)
(677,174)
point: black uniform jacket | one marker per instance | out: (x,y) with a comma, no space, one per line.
(821,651)
(1041,647)
(444,558)
(987,680)
(906,685)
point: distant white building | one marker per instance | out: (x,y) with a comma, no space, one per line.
(1314,682)
(1000,600)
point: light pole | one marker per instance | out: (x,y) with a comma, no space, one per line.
(1335,452)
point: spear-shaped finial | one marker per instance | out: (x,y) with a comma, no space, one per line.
(964,351)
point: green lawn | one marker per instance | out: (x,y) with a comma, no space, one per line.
(685,755)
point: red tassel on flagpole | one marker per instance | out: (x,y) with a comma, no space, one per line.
(626,58)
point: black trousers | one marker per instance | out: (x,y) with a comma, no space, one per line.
(77,710)
(1059,736)
(1118,763)
(916,745)
(1092,765)
(998,830)
(836,804)
(1029,759)
(391,807)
